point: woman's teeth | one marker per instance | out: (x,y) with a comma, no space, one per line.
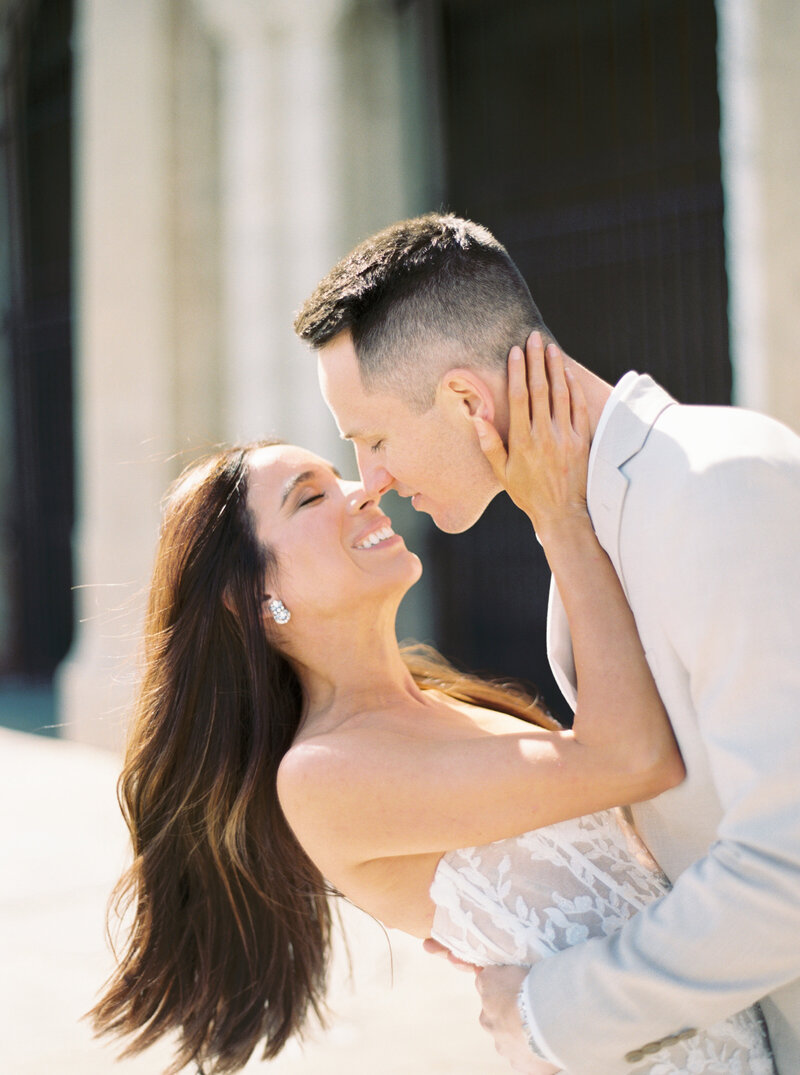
(376,537)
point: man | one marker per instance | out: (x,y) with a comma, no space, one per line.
(699,510)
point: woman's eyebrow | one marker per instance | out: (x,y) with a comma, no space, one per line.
(298,479)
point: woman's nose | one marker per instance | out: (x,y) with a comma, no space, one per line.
(358,497)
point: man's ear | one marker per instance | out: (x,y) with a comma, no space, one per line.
(471,392)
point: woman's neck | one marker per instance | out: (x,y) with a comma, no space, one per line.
(347,670)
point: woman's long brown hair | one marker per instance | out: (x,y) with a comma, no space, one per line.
(229,921)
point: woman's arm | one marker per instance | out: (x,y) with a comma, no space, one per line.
(544,472)
(354,796)
(367,793)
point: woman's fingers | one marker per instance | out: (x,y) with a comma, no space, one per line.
(544,467)
(537,380)
(492,447)
(559,393)
(579,410)
(519,418)
(435,949)
(544,394)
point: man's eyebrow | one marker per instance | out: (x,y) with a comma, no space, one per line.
(298,479)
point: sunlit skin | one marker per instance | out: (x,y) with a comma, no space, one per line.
(315,522)
(343,600)
(438,774)
(441,458)
(434,457)
(498,988)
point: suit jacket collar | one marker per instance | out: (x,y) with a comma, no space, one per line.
(635,406)
(634,411)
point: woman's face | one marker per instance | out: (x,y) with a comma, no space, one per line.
(335,547)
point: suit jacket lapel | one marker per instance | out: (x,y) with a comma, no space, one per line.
(628,427)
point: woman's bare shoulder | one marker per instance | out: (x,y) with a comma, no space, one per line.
(394,759)
(325,782)
(366,744)
(320,762)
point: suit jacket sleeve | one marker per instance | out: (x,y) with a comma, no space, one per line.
(728,579)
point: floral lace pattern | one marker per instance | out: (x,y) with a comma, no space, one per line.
(523,899)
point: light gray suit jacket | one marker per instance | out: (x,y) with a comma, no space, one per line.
(699,510)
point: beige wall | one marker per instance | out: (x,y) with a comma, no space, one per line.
(225,157)
(779,71)
(227,152)
(759,42)
(124,341)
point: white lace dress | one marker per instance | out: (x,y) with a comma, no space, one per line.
(522,899)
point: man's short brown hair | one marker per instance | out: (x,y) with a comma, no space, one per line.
(435,281)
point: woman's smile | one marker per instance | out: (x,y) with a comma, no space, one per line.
(382,536)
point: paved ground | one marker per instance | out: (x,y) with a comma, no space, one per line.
(62,846)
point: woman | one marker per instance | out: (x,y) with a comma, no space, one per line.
(283,744)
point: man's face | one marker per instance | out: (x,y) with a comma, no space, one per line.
(433,457)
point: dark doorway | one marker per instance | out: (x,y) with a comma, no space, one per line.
(585,135)
(37,515)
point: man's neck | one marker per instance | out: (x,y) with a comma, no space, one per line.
(595,389)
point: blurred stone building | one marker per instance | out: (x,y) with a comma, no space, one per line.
(176,175)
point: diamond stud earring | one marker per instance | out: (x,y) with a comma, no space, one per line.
(279,612)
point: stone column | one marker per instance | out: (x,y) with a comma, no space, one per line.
(759,83)
(124,405)
(316,155)
(778,37)
(279,117)
(167,214)
(739,131)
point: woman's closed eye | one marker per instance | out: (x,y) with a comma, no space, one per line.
(311,499)
(376,447)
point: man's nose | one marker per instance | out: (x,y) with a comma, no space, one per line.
(376,479)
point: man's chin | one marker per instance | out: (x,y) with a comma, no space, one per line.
(450,522)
